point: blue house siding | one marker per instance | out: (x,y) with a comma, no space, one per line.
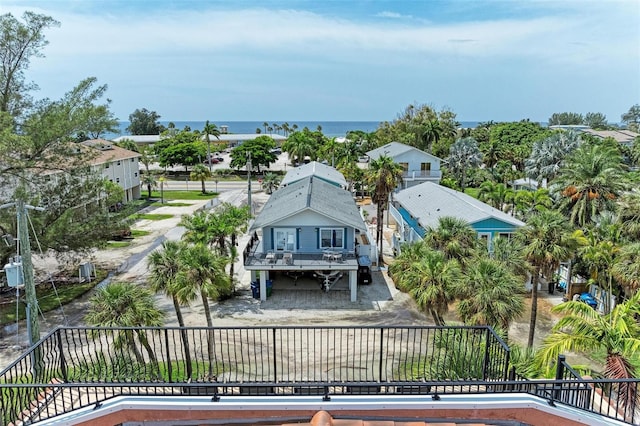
(494,226)
(413,223)
(308,238)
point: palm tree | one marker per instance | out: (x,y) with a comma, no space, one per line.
(300,145)
(590,182)
(547,155)
(464,154)
(454,237)
(150,180)
(429,277)
(583,329)
(490,295)
(547,240)
(383,176)
(531,202)
(200,173)
(629,212)
(510,252)
(626,267)
(164,265)
(270,182)
(235,220)
(123,304)
(210,129)
(203,273)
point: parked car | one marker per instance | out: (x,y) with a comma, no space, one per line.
(211,161)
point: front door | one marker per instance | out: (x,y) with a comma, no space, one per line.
(285,239)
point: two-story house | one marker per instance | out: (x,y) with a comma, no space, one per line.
(419,208)
(418,166)
(309,225)
(319,170)
(118,165)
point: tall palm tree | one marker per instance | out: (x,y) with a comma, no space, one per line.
(548,240)
(490,295)
(430,278)
(384,175)
(150,180)
(200,173)
(464,154)
(510,252)
(202,273)
(592,178)
(164,265)
(300,145)
(235,220)
(210,129)
(583,329)
(123,304)
(454,237)
(531,202)
(547,155)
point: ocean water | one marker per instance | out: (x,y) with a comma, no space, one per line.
(329,128)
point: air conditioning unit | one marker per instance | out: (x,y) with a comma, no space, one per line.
(86,271)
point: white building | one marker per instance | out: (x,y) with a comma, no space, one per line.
(118,165)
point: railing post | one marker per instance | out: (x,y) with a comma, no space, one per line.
(381,347)
(559,376)
(485,364)
(275,359)
(166,346)
(63,360)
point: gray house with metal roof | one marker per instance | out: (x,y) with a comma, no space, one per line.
(319,170)
(309,225)
(418,166)
(420,207)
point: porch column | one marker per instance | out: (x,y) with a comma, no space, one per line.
(353,285)
(263,285)
(253,276)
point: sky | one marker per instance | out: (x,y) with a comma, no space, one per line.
(343,60)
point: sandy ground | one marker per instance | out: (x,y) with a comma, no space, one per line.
(378,303)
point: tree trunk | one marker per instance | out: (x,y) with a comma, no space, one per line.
(232,263)
(380,235)
(204,190)
(534,306)
(207,313)
(185,338)
(152,356)
(149,191)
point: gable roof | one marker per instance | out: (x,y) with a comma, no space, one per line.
(394,149)
(310,194)
(429,201)
(314,168)
(620,136)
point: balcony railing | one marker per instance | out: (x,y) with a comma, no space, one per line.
(422,174)
(73,368)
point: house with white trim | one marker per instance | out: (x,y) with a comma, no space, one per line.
(418,166)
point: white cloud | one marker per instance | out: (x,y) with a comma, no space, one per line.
(392,15)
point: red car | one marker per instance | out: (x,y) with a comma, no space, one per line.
(211,161)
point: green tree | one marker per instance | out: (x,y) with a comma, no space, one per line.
(547,240)
(429,277)
(300,145)
(490,295)
(454,237)
(464,154)
(532,202)
(383,177)
(20,41)
(582,329)
(122,304)
(144,122)
(130,145)
(164,267)
(548,154)
(516,139)
(596,120)
(626,267)
(631,118)
(270,182)
(200,173)
(260,149)
(590,181)
(565,118)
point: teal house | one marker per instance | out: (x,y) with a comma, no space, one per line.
(420,207)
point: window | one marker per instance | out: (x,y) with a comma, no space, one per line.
(118,180)
(425,169)
(118,162)
(331,238)
(135,174)
(506,235)
(405,166)
(133,159)
(106,165)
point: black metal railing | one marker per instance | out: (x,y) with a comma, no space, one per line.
(72,368)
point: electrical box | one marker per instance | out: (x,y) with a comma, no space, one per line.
(15,275)
(86,270)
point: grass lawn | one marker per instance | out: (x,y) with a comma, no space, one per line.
(47,298)
(135,233)
(118,244)
(151,216)
(183,195)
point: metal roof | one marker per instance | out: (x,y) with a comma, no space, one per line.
(394,149)
(317,169)
(310,194)
(429,201)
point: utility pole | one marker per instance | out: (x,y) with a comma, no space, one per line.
(249,166)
